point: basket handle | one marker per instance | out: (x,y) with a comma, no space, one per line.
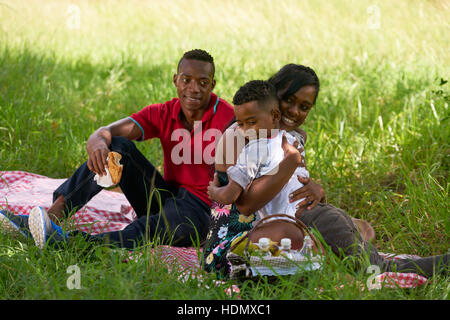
(295,221)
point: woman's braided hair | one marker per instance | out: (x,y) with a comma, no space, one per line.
(290,78)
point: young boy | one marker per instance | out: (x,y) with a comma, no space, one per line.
(258,119)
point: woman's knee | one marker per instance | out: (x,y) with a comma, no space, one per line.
(335,227)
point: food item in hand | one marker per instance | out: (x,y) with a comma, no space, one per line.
(114,166)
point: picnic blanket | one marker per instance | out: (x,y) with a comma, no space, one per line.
(110,211)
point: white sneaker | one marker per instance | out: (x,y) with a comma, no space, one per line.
(13,224)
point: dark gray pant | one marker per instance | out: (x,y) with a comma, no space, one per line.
(339,232)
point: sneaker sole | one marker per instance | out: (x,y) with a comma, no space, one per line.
(8,227)
(37,227)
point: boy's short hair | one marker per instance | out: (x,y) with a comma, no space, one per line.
(200,55)
(257,90)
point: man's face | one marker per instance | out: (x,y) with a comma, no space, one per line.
(194,82)
(251,119)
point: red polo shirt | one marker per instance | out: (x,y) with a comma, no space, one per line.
(188,155)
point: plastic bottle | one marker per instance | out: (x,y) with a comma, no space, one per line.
(307,246)
(264,244)
(286,248)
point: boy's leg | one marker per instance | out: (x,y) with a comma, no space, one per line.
(180,222)
(339,232)
(139,177)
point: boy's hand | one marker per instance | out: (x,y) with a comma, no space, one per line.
(292,151)
(213,187)
(311,191)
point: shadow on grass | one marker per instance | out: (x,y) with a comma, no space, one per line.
(49,107)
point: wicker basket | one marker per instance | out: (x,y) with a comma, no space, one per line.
(254,264)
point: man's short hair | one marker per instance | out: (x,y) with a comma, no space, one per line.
(200,55)
(257,90)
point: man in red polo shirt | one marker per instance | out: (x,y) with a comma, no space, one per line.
(173,208)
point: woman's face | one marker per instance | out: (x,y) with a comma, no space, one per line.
(295,109)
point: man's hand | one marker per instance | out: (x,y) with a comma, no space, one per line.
(311,191)
(99,142)
(97,149)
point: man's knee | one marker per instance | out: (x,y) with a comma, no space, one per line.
(122,145)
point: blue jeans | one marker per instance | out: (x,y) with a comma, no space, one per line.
(167,214)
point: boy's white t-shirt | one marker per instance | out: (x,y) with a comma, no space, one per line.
(262,157)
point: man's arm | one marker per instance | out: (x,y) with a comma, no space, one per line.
(98,143)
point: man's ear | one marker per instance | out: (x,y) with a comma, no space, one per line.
(175,78)
(213,84)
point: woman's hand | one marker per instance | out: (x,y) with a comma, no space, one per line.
(311,191)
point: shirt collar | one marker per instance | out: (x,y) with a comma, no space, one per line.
(209,112)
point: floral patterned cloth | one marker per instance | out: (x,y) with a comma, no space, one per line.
(227,223)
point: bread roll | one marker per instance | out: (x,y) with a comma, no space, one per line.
(114,166)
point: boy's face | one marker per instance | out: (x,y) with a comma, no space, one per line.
(296,108)
(249,116)
(194,82)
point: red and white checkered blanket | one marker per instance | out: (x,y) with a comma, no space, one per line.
(22,191)
(109,211)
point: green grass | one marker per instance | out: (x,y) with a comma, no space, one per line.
(378,138)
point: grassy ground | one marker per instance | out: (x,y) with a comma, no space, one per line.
(378,138)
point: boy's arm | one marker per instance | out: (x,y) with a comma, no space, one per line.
(225,195)
(265,188)
(240,176)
